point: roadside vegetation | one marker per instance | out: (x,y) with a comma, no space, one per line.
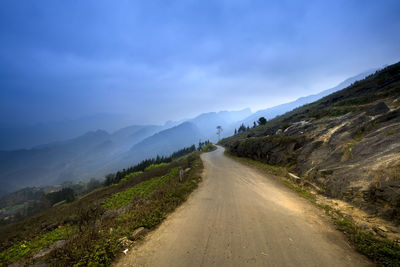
(206,146)
(95,228)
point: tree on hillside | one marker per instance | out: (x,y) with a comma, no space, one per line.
(219,131)
(66,194)
(262,121)
(93,184)
(235,131)
(110,179)
(242,128)
(254,124)
(115,178)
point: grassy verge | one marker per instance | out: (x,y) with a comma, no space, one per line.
(382,251)
(28,248)
(101,229)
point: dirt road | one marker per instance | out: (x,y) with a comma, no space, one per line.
(241,217)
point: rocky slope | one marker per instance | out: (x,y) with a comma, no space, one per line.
(347,144)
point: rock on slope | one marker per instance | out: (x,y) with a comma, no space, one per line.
(347,143)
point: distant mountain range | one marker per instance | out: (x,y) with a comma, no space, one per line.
(74,159)
(200,128)
(29,136)
(98,152)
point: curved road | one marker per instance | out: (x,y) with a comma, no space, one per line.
(241,217)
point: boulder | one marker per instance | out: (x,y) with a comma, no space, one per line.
(39,264)
(138,233)
(16,264)
(125,241)
(379,108)
(295,178)
(380,232)
(109,214)
(56,245)
(71,220)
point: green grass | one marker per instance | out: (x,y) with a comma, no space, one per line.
(382,251)
(156,166)
(28,248)
(141,190)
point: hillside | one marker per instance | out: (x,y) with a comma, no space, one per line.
(347,144)
(272,112)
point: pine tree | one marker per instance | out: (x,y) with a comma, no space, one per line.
(262,121)
(242,128)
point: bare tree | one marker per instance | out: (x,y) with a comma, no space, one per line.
(219,131)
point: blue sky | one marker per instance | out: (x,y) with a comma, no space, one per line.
(161,60)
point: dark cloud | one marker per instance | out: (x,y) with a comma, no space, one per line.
(162,60)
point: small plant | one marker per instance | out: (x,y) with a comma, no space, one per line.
(347,153)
